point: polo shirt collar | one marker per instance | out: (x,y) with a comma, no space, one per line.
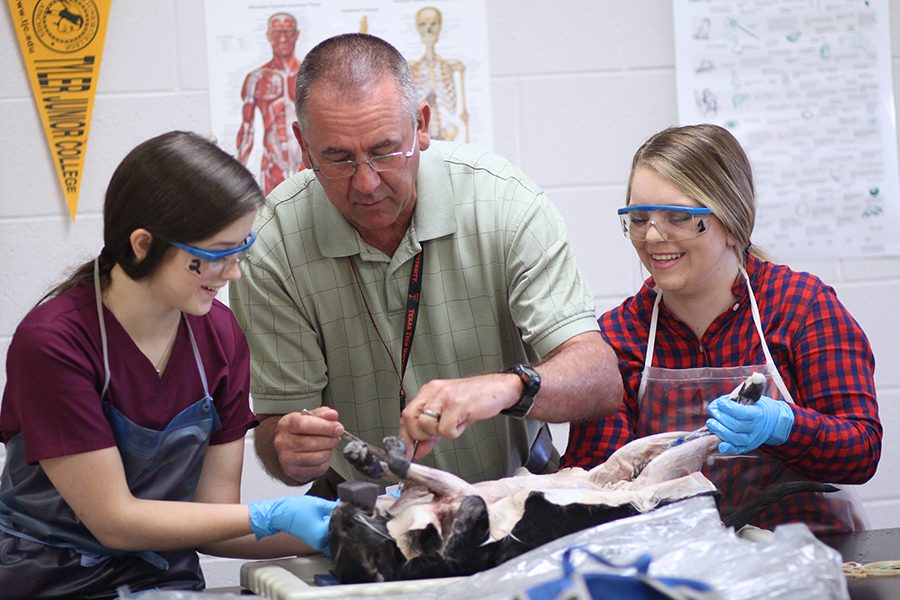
(434,217)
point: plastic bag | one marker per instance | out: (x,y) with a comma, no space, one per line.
(686,540)
(125,593)
(616,582)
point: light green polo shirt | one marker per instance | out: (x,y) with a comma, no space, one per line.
(500,286)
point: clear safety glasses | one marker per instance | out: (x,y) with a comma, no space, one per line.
(672,223)
(379,163)
(212,263)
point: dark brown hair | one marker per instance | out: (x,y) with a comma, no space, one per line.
(178,186)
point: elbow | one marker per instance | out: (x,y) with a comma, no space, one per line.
(615,397)
(613,390)
(867,468)
(862,470)
(610,395)
(114,539)
(867,465)
(116,531)
(858,477)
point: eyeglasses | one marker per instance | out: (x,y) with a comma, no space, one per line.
(379,163)
(673,223)
(212,263)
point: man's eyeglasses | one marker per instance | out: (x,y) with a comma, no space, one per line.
(212,263)
(673,223)
(379,163)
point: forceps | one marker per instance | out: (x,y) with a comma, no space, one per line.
(377,452)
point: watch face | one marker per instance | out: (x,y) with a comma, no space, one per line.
(530,378)
(531,381)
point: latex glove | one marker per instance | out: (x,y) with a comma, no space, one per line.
(304,517)
(745,427)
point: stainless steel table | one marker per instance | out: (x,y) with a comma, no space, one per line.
(865,547)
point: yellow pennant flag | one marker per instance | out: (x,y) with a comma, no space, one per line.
(62,42)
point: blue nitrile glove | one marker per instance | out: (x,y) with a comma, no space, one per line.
(304,517)
(745,427)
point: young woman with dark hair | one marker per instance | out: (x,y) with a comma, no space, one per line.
(126,400)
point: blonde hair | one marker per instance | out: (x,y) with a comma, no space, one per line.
(708,164)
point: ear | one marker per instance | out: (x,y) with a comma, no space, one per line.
(423,118)
(141,240)
(304,151)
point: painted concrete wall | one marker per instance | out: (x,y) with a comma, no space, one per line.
(576,85)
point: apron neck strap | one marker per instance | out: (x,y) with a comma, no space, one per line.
(104,343)
(757,322)
(651,341)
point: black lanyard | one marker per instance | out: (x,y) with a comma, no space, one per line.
(410,317)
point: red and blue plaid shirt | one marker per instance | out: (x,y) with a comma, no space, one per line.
(820,350)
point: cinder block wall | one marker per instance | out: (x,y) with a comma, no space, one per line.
(577,85)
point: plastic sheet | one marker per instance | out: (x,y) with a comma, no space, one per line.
(685,539)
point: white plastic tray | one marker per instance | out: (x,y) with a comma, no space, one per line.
(292,579)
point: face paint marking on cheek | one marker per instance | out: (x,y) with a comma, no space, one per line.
(195,266)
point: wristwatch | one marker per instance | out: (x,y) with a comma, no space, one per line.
(532,382)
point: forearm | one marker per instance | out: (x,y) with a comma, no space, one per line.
(159,525)
(296,448)
(830,448)
(837,434)
(580,380)
(249,548)
(217,529)
(264,444)
(244,142)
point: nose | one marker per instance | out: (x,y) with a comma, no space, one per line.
(232,270)
(366,179)
(654,233)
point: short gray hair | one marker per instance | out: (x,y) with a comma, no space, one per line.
(354,63)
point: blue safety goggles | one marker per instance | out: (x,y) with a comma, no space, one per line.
(673,223)
(215,255)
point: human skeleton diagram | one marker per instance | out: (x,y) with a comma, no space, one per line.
(270,89)
(436,81)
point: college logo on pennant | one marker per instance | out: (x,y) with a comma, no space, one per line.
(62,43)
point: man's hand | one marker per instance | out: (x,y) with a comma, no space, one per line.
(303,442)
(445,407)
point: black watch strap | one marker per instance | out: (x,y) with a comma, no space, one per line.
(531,381)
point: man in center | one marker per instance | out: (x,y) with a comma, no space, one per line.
(404,285)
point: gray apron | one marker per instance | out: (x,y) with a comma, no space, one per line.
(676,400)
(45,550)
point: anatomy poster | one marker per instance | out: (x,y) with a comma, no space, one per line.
(254,50)
(806,87)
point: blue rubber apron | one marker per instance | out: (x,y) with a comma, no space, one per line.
(46,551)
(676,400)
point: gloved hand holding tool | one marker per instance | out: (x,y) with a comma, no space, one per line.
(745,427)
